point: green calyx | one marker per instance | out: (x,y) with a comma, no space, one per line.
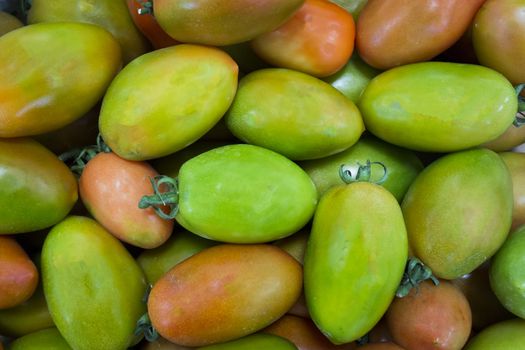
(146,7)
(520,116)
(165,195)
(358,172)
(77,158)
(415,273)
(145,327)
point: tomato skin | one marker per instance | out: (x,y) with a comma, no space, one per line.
(354,260)
(162,344)
(227,22)
(317,40)
(80,252)
(110,187)
(515,163)
(458,211)
(511,138)
(217,197)
(381,346)
(46,339)
(39,89)
(32,174)
(438,106)
(18,274)
(500,336)
(108,14)
(149,26)
(294,114)
(254,342)
(145,115)
(8,23)
(499,39)
(222,293)
(398,32)
(430,317)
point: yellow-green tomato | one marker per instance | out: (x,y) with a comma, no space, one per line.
(294,114)
(516,164)
(109,14)
(56,73)
(167,99)
(458,211)
(438,106)
(244,194)
(354,260)
(46,339)
(506,335)
(93,286)
(258,341)
(402,166)
(37,190)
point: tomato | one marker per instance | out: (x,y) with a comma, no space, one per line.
(224,22)
(499,39)
(430,317)
(108,14)
(223,293)
(380,333)
(438,106)
(381,346)
(156,262)
(148,25)
(515,163)
(110,187)
(295,245)
(227,195)
(294,114)
(18,274)
(396,32)
(506,278)
(304,334)
(162,344)
(511,138)
(93,287)
(353,78)
(354,260)
(37,190)
(46,339)
(402,166)
(317,40)
(485,306)
(254,342)
(504,335)
(458,211)
(167,99)
(40,89)
(8,23)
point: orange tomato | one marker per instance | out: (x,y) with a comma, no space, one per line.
(318,40)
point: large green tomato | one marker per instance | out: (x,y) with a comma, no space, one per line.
(167,99)
(93,286)
(294,114)
(458,211)
(354,260)
(244,194)
(109,14)
(46,339)
(506,335)
(56,73)
(37,190)
(438,106)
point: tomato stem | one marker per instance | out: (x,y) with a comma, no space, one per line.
(146,7)
(358,172)
(145,327)
(77,159)
(162,199)
(415,273)
(520,116)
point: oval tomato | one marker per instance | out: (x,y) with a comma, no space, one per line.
(511,138)
(516,165)
(504,335)
(317,40)
(46,339)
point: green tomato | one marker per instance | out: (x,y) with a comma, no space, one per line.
(167,99)
(259,341)
(46,339)
(458,211)
(507,277)
(354,260)
(244,194)
(294,114)
(156,262)
(402,166)
(109,14)
(37,190)
(93,287)
(44,87)
(438,106)
(506,335)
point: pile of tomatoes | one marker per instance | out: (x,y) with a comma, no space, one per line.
(277,174)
